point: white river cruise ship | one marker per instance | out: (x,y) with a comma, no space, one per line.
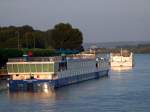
(53,72)
(122,59)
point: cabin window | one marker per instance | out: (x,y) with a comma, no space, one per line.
(45,68)
(51,67)
(20,67)
(10,68)
(17,75)
(32,66)
(39,67)
(26,68)
(48,67)
(15,68)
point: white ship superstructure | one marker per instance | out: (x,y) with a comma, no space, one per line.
(121,59)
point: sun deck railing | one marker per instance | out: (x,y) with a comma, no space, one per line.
(51,59)
(35,59)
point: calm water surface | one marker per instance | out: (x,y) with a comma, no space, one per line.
(124,91)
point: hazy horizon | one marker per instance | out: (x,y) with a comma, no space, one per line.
(99,20)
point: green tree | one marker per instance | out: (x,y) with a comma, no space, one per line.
(63,36)
(34,39)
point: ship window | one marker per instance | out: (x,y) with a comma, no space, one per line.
(20,67)
(26,68)
(17,75)
(45,68)
(32,66)
(39,67)
(51,67)
(15,68)
(9,68)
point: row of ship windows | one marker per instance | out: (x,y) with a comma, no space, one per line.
(81,66)
(84,65)
(63,66)
(15,68)
(77,65)
(76,72)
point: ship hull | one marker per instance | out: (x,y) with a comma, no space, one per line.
(35,85)
(121,64)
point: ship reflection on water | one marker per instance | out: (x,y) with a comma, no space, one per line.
(30,95)
(121,69)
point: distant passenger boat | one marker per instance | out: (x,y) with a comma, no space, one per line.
(54,72)
(122,59)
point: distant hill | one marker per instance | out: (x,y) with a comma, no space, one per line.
(115,44)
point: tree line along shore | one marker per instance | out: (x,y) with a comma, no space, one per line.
(18,40)
(63,36)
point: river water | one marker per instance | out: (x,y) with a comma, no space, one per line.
(123,91)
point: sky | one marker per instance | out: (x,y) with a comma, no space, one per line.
(98,20)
